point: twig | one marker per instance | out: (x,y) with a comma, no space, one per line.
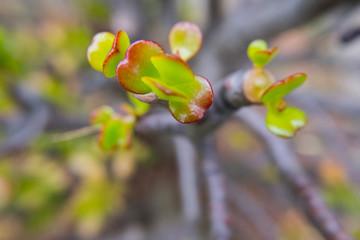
(216,189)
(296,179)
(77,133)
(186,156)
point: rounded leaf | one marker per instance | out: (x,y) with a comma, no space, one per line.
(116,54)
(185,39)
(116,132)
(194,110)
(101,115)
(137,64)
(285,123)
(283,87)
(259,53)
(99,48)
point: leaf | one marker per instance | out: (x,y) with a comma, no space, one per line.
(194,110)
(117,132)
(259,53)
(185,40)
(280,88)
(189,95)
(140,107)
(116,54)
(101,115)
(286,122)
(99,49)
(164,91)
(137,64)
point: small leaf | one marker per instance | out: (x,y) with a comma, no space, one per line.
(164,91)
(101,115)
(194,110)
(189,95)
(137,64)
(117,132)
(116,54)
(140,107)
(99,49)
(283,87)
(259,53)
(285,123)
(185,40)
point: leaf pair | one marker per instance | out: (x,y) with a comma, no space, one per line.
(282,120)
(107,50)
(146,68)
(117,129)
(260,86)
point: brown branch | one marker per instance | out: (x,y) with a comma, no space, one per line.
(295,178)
(216,190)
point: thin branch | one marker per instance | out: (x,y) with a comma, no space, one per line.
(216,189)
(186,156)
(296,179)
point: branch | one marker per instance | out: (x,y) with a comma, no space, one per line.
(296,179)
(186,156)
(216,189)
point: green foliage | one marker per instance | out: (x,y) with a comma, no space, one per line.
(147,69)
(259,53)
(281,120)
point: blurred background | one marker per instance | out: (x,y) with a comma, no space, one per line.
(65,187)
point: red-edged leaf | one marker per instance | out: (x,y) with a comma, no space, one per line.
(280,88)
(116,54)
(194,110)
(137,64)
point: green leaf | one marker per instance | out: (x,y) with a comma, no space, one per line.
(189,95)
(137,64)
(280,88)
(185,40)
(99,49)
(117,132)
(140,107)
(285,123)
(116,54)
(165,91)
(101,115)
(259,53)
(195,109)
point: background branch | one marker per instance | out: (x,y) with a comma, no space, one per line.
(295,178)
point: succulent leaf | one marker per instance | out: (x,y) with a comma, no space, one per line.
(185,40)
(195,109)
(259,53)
(285,123)
(280,88)
(116,132)
(99,49)
(140,107)
(116,54)
(101,115)
(256,82)
(137,64)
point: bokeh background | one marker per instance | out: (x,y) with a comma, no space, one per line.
(55,184)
